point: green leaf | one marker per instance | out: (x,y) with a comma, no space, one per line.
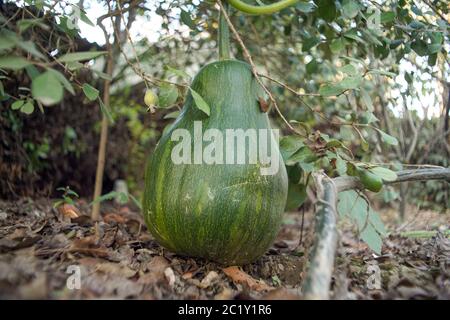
(8,39)
(353,35)
(102,75)
(382,72)
(177,72)
(74,65)
(27,108)
(367,117)
(388,138)
(13,62)
(47,89)
(296,196)
(312,66)
(366,99)
(303,155)
(17,104)
(372,238)
(416,25)
(168,95)
(328,90)
(350,8)
(289,145)
(32,71)
(90,92)
(172,115)
(384,173)
(376,222)
(434,48)
(31,48)
(309,43)
(187,20)
(200,102)
(337,45)
(81,56)
(107,196)
(387,17)
(341,166)
(333,143)
(349,69)
(61,78)
(432,59)
(355,60)
(420,47)
(326,9)
(305,7)
(372,37)
(105,110)
(346,202)
(352,82)
(346,133)
(24,24)
(85,19)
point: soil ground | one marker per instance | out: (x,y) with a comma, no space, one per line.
(43,250)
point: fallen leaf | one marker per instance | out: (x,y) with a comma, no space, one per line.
(36,289)
(225,294)
(69,211)
(156,268)
(170,276)
(114,217)
(116,269)
(210,278)
(280,294)
(240,277)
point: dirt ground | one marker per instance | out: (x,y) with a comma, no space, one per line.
(46,253)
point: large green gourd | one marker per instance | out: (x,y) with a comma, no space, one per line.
(228,213)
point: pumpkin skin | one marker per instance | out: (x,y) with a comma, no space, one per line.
(227,213)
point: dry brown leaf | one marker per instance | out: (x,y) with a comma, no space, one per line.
(156,268)
(241,277)
(209,279)
(280,294)
(187,275)
(114,217)
(170,276)
(69,211)
(116,269)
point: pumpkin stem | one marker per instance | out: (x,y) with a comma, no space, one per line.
(224,35)
(264,9)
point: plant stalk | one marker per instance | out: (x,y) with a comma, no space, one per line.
(264,9)
(95,215)
(224,35)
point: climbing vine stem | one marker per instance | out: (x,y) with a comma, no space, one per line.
(264,9)
(224,34)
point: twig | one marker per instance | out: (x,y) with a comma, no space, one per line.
(127,31)
(435,10)
(287,87)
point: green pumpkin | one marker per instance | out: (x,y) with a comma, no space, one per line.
(228,213)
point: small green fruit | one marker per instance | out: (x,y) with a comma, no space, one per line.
(150,98)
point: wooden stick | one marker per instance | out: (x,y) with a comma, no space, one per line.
(320,270)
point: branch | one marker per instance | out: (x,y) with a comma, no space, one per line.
(318,278)
(132,5)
